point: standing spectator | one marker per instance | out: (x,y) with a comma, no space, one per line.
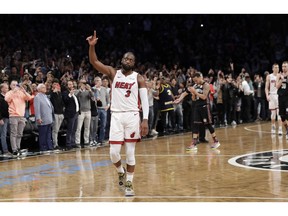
(106,84)
(16,99)
(219,86)
(151,85)
(72,108)
(4,119)
(94,120)
(103,99)
(84,94)
(156,110)
(166,99)
(259,97)
(44,112)
(247,99)
(58,104)
(178,110)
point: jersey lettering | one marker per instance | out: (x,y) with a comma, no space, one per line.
(124,85)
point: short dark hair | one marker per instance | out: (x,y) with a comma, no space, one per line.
(105,78)
(55,80)
(197,74)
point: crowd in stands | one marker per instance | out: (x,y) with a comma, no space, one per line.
(229,50)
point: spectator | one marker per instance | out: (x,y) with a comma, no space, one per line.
(83,94)
(103,104)
(44,112)
(4,119)
(16,99)
(58,104)
(72,109)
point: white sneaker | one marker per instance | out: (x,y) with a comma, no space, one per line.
(192,148)
(8,154)
(280,133)
(154,132)
(129,189)
(273,130)
(233,123)
(215,145)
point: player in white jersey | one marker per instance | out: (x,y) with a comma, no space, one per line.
(126,127)
(272,98)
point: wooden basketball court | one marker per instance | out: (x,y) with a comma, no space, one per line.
(164,171)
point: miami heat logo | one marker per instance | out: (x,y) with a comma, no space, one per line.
(132,135)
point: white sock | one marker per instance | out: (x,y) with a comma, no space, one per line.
(129,176)
(120,169)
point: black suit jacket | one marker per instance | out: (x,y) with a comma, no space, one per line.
(70,105)
(3,108)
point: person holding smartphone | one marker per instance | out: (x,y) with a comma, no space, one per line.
(16,99)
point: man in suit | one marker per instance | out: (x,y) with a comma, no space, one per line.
(44,112)
(72,108)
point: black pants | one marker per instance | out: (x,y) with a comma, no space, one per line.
(171,119)
(201,127)
(71,130)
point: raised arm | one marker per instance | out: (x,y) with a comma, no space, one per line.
(99,66)
(181,97)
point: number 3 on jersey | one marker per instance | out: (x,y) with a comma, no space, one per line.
(128,92)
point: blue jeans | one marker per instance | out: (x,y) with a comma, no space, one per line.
(102,114)
(178,116)
(3,134)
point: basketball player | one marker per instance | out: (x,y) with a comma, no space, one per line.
(272,98)
(126,127)
(201,113)
(282,86)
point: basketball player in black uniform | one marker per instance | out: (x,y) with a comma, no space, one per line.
(201,113)
(282,85)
